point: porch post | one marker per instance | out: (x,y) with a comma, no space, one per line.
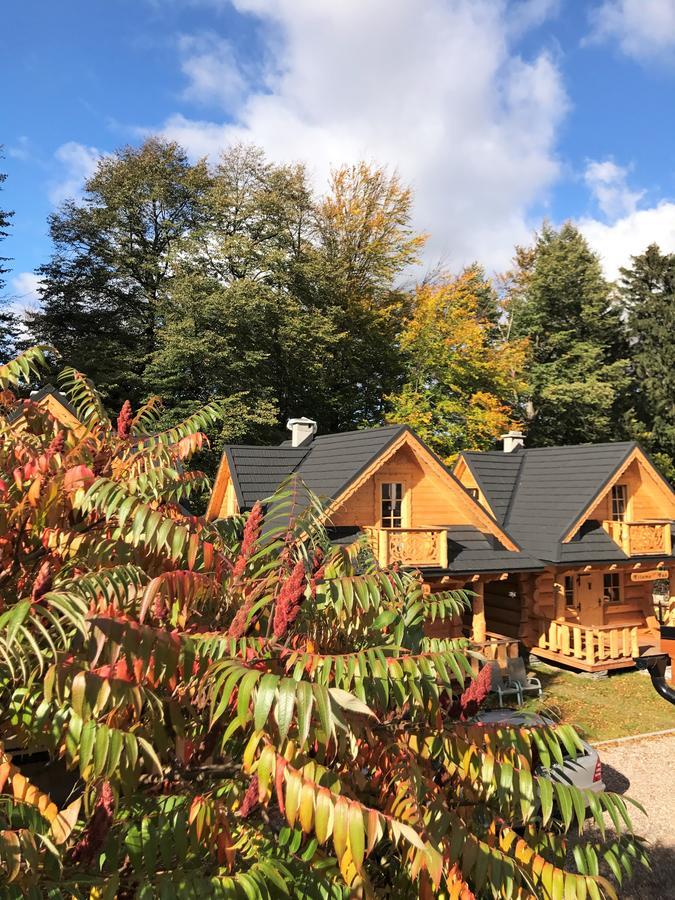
(559,601)
(478,627)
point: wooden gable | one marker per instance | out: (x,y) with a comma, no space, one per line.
(465,476)
(223,501)
(52,403)
(648,494)
(432,496)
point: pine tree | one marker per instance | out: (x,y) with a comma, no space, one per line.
(578,373)
(463,378)
(648,288)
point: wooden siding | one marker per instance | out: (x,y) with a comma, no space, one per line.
(428,500)
(649,497)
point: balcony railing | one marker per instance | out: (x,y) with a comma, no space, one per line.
(643,538)
(588,648)
(410,546)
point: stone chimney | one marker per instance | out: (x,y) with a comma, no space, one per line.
(302,431)
(513,440)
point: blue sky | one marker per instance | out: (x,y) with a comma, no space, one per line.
(497,113)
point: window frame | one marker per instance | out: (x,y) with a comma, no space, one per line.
(571,590)
(388,522)
(607,591)
(619,498)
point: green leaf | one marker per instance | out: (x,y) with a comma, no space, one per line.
(285,706)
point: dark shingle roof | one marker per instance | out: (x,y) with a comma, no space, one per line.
(258,471)
(327,466)
(40,394)
(335,460)
(496,475)
(470,550)
(551,489)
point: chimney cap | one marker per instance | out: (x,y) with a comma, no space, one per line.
(513,440)
(302,430)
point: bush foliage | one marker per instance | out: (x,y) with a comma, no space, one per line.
(239,709)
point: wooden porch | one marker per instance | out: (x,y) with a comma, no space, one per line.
(589,648)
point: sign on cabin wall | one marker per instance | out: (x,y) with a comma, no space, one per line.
(651,575)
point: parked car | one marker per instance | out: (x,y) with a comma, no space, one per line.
(585,771)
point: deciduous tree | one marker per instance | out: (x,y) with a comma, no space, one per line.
(463,377)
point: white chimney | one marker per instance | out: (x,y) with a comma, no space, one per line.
(513,440)
(302,430)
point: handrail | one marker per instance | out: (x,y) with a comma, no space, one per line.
(592,645)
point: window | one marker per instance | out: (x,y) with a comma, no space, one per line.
(473,492)
(613,587)
(392,504)
(619,502)
(570,599)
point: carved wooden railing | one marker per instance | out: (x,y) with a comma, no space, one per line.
(496,647)
(596,645)
(410,546)
(643,538)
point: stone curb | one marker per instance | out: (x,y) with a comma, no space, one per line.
(633,737)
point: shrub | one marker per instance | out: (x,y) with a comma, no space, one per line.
(240,709)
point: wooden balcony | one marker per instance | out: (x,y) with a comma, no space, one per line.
(643,538)
(592,648)
(410,546)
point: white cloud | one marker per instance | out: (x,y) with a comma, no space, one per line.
(24,293)
(433,89)
(642,29)
(608,185)
(631,235)
(212,71)
(77,162)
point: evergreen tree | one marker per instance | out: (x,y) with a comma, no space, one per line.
(578,374)
(112,263)
(462,378)
(648,288)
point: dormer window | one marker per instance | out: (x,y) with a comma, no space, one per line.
(391,509)
(619,502)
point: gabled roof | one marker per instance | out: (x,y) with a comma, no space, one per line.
(541,492)
(52,399)
(327,465)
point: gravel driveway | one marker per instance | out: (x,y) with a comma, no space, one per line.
(645,770)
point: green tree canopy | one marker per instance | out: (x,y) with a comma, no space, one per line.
(112,263)
(235,280)
(558,298)
(648,289)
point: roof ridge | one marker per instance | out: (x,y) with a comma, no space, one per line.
(514,491)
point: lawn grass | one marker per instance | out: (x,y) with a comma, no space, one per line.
(621,704)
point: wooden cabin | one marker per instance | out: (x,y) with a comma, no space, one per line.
(560,546)
(599,517)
